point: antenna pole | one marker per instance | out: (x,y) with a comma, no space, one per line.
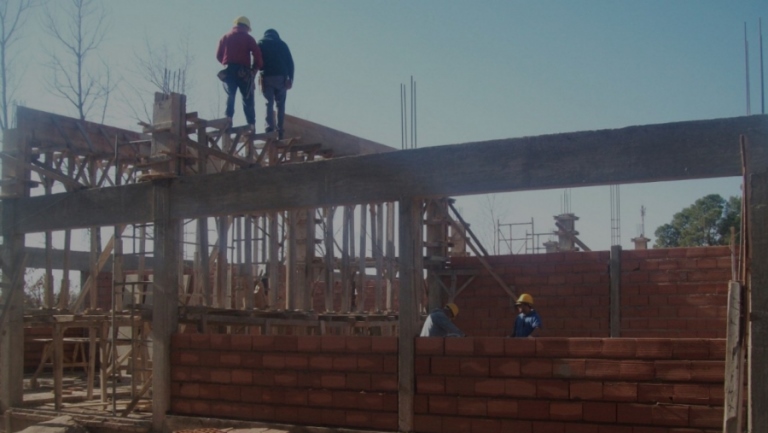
(762,76)
(746,63)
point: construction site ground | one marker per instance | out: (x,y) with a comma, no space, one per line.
(98,417)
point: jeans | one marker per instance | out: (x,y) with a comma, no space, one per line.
(239,77)
(274,91)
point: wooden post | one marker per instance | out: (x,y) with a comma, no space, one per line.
(390,261)
(291,259)
(410,248)
(221,262)
(360,298)
(379,257)
(165,306)
(329,258)
(309,258)
(48,283)
(64,291)
(734,361)
(202,224)
(58,364)
(274,261)
(757,200)
(249,274)
(12,326)
(615,268)
(346,284)
(437,238)
(13,267)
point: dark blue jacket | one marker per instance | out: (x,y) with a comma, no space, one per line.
(525,324)
(276,55)
(438,324)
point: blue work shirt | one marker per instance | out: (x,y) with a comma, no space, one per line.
(438,324)
(525,324)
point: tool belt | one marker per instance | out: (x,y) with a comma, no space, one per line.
(241,72)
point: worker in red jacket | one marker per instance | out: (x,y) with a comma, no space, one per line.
(241,55)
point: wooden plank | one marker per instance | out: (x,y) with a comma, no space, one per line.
(615,298)
(94,271)
(734,361)
(674,151)
(214,152)
(410,248)
(165,301)
(43,171)
(332,140)
(758,302)
(55,130)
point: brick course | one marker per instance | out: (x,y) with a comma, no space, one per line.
(335,381)
(666,293)
(657,385)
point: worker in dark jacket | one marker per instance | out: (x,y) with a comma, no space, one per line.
(528,322)
(241,55)
(439,323)
(276,78)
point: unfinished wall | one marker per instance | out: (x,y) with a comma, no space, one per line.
(330,380)
(675,292)
(585,385)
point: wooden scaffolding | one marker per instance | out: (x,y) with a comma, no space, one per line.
(276,206)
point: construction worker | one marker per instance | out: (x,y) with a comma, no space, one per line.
(528,322)
(276,78)
(241,55)
(439,323)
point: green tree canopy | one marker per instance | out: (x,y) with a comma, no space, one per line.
(706,222)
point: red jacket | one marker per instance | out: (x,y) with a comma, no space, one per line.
(236,47)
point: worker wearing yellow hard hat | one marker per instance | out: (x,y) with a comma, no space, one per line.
(243,21)
(528,322)
(439,323)
(239,52)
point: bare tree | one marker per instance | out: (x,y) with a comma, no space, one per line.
(160,68)
(492,211)
(79,28)
(13,15)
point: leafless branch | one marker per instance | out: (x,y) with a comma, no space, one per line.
(79,26)
(13,15)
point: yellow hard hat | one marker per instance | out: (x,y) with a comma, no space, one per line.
(525,299)
(244,21)
(454,308)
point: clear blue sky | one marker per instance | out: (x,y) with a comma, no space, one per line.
(484,70)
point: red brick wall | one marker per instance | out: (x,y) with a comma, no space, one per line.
(675,292)
(494,385)
(570,291)
(314,380)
